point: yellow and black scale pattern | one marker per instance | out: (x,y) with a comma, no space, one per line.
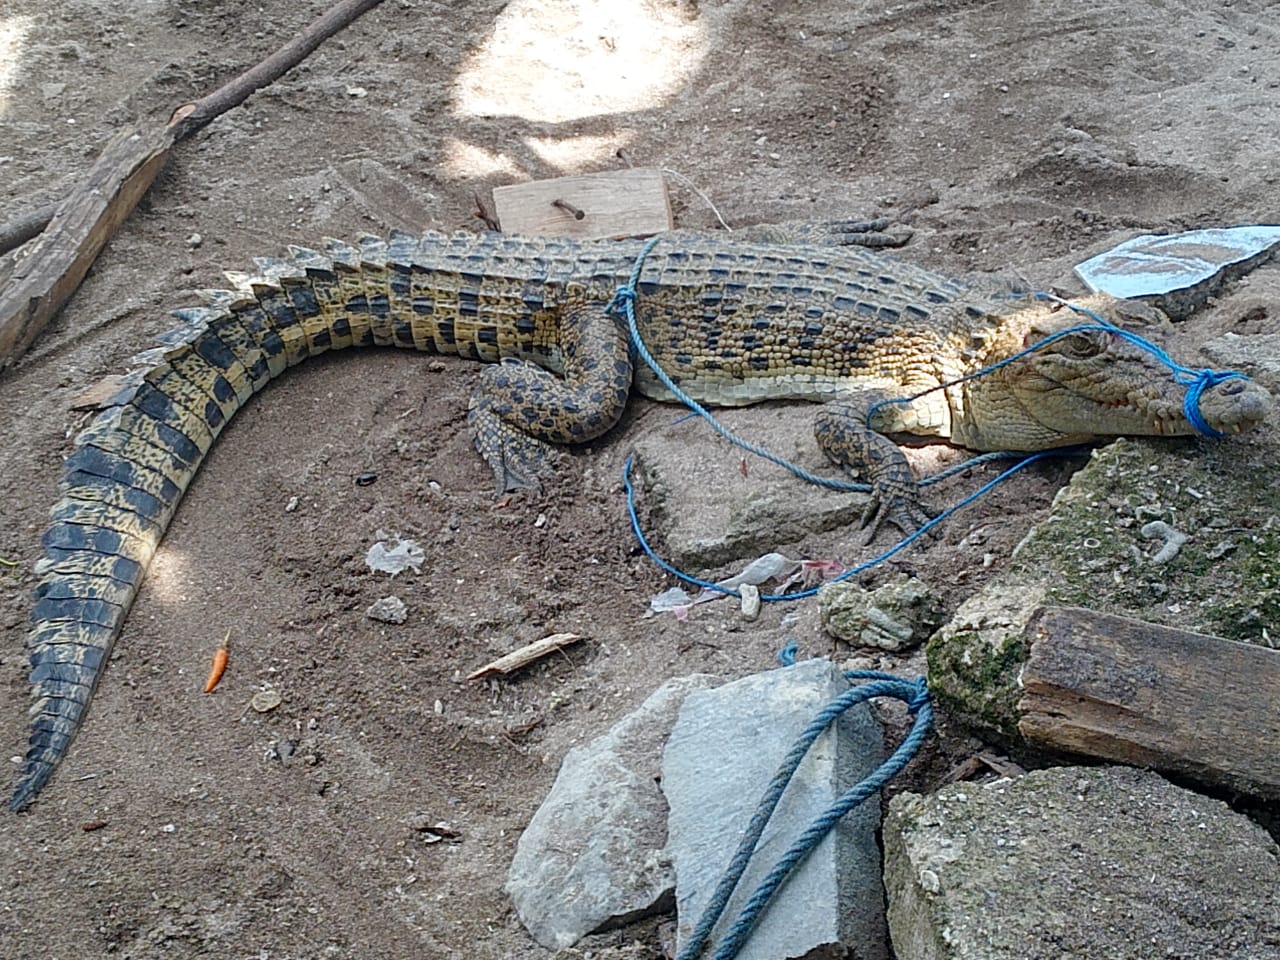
(732,323)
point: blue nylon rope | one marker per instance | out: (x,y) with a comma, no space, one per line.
(623,305)
(916,696)
(853,571)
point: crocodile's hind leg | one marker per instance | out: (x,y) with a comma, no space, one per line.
(850,430)
(518,409)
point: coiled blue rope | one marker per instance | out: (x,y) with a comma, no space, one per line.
(916,696)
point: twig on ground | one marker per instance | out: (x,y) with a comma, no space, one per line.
(525,655)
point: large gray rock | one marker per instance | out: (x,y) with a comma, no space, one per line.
(1076,862)
(592,856)
(710,512)
(723,751)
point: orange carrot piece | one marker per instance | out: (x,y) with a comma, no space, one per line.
(220,657)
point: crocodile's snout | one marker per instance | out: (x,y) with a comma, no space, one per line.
(1235,405)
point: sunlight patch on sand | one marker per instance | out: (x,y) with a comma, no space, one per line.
(13,32)
(554,61)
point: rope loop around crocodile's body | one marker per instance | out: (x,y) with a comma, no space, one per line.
(623,303)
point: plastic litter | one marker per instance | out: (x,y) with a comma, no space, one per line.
(1175,265)
(771,566)
(392,554)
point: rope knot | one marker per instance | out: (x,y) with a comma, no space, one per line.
(623,297)
(1200,381)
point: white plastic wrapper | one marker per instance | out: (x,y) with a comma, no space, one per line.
(391,554)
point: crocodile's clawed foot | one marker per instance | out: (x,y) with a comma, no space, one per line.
(518,461)
(865,233)
(896,504)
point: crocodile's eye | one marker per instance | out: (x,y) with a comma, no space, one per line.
(1081,346)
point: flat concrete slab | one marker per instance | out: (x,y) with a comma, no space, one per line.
(714,503)
(724,750)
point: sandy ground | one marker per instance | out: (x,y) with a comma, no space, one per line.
(1009,134)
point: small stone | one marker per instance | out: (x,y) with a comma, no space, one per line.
(901,614)
(388,610)
(264,701)
(357,92)
(1173,540)
(292,505)
(194,240)
(750,600)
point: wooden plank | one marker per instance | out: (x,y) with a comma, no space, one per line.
(89,216)
(44,280)
(1152,696)
(597,206)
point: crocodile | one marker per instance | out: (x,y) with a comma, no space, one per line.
(731,321)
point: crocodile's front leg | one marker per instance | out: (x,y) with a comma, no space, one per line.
(518,409)
(851,432)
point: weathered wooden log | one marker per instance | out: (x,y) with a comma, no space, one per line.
(1153,696)
(82,223)
(43,281)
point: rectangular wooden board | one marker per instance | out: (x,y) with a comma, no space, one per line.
(1153,696)
(621,203)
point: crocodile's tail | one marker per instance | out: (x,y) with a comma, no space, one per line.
(133,463)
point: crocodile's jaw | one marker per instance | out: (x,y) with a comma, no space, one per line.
(1126,391)
(1091,385)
